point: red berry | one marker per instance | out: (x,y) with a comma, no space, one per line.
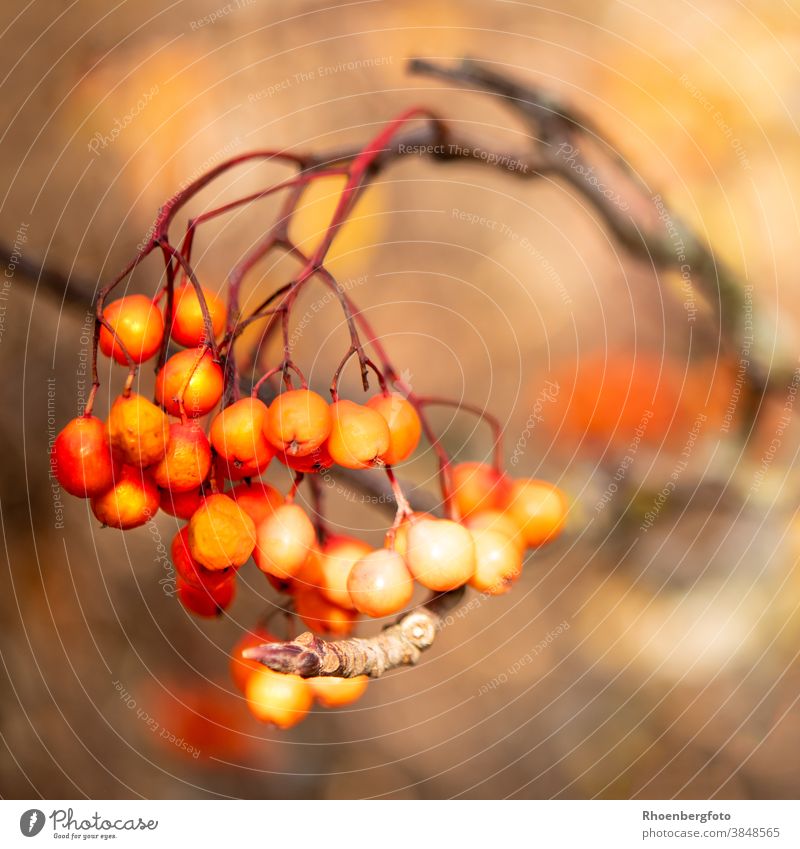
(284,542)
(238,438)
(137,323)
(440,554)
(298,422)
(189,570)
(81,458)
(131,501)
(221,534)
(317,461)
(380,583)
(333,692)
(188,327)
(339,555)
(187,461)
(540,509)
(137,430)
(359,436)
(258,499)
(203,601)
(203,390)
(404,425)
(283,700)
(498,562)
(321,615)
(182,505)
(477,486)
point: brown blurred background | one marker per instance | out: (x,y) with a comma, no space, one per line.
(678,673)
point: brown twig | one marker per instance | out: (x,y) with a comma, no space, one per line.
(400,644)
(555,127)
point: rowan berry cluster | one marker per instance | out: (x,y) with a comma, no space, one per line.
(198,452)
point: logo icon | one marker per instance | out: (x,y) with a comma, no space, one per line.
(31,822)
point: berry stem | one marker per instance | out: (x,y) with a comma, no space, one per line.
(210,342)
(492,421)
(403,507)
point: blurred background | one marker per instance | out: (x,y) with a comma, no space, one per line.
(653,651)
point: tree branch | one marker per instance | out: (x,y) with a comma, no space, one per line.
(552,126)
(557,128)
(400,644)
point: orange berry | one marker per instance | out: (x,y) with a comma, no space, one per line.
(339,554)
(221,534)
(283,541)
(318,460)
(497,520)
(241,667)
(137,430)
(298,422)
(257,499)
(477,486)
(81,458)
(189,570)
(404,425)
(332,692)
(182,505)
(283,700)
(498,562)
(188,327)
(131,501)
(238,438)
(440,554)
(137,323)
(187,461)
(540,509)
(203,390)
(206,601)
(380,583)
(401,535)
(320,615)
(235,472)
(359,435)
(310,576)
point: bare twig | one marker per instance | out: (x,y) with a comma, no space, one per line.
(400,644)
(554,127)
